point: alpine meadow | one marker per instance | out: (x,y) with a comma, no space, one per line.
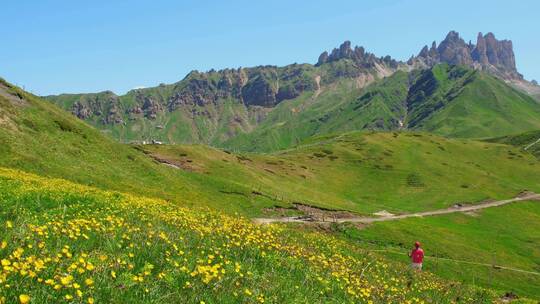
(354,178)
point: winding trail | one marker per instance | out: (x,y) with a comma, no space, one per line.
(368,220)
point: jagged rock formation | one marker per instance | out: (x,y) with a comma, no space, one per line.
(358,55)
(488,54)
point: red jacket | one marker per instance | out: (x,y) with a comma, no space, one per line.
(417,255)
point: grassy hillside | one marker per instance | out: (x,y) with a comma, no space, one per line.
(506,236)
(38,137)
(459,102)
(368,172)
(340,107)
(528,141)
(66,243)
(359,172)
(129,242)
(292,121)
(452,101)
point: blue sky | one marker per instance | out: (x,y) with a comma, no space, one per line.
(51,47)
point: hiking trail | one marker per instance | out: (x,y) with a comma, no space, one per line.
(367,220)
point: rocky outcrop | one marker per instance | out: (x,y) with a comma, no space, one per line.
(105,105)
(358,55)
(260,86)
(454,50)
(81,110)
(151,107)
(488,54)
(260,91)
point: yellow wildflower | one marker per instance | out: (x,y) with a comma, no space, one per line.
(24,298)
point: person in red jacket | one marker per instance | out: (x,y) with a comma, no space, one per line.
(417,257)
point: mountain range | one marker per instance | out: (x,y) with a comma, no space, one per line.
(454,89)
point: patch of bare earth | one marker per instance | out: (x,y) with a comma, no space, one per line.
(383,213)
(182,163)
(312,214)
(13,98)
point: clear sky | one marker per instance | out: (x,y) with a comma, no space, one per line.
(52,47)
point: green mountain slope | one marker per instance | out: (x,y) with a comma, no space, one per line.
(270,108)
(338,108)
(458,102)
(453,101)
(360,172)
(215,106)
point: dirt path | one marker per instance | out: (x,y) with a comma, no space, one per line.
(367,220)
(531,144)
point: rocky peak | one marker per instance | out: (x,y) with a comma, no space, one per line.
(358,55)
(343,52)
(424,52)
(323,58)
(454,50)
(489,54)
(479,53)
(496,53)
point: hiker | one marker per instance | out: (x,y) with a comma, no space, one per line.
(417,257)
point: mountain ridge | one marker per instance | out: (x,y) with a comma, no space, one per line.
(453,101)
(215,107)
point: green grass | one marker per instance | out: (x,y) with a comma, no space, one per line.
(527,140)
(65,243)
(41,138)
(506,236)
(369,172)
(363,172)
(478,105)
(340,107)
